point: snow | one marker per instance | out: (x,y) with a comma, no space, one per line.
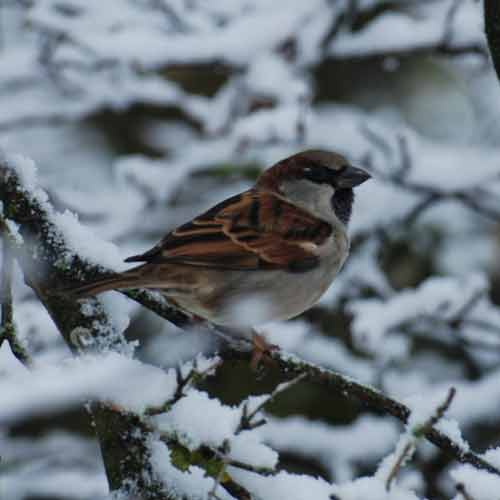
(115,379)
(373,488)
(33,466)
(269,125)
(24,168)
(66,230)
(337,448)
(247,447)
(79,238)
(118,309)
(266,75)
(14,233)
(282,485)
(233,43)
(451,429)
(437,297)
(192,483)
(10,366)
(160,179)
(395,32)
(479,484)
(474,401)
(196,420)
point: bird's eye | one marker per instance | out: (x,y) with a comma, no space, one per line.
(317,174)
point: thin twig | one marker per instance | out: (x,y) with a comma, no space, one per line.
(182,384)
(438,414)
(263,471)
(246,418)
(431,194)
(405,454)
(222,471)
(413,435)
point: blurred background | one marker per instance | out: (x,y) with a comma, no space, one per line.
(142,113)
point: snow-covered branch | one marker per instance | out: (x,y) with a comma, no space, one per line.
(44,257)
(49,263)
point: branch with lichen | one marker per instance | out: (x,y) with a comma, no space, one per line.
(84,330)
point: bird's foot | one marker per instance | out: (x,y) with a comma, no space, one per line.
(262,351)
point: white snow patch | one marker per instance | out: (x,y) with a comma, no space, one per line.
(112,378)
(372,488)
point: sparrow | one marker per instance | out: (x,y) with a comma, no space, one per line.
(266,254)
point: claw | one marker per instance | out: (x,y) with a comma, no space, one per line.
(262,350)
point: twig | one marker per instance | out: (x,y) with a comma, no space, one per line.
(182,383)
(438,415)
(405,454)
(222,471)
(460,316)
(404,158)
(431,194)
(415,434)
(246,418)
(263,471)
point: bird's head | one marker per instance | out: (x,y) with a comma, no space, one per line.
(318,180)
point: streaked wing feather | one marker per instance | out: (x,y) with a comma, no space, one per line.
(253,230)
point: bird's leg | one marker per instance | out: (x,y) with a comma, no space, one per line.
(244,339)
(262,350)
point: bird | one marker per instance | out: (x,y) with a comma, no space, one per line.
(266,254)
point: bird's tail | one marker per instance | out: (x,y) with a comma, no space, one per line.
(132,278)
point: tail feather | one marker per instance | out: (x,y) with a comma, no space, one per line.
(121,281)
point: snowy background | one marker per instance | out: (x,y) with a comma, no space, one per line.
(141,113)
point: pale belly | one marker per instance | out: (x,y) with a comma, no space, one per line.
(251,298)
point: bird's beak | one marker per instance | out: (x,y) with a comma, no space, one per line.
(351,177)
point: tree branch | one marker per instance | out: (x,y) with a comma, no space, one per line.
(368,396)
(39,258)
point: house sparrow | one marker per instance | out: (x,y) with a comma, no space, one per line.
(278,245)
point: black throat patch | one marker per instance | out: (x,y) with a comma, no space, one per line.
(342,204)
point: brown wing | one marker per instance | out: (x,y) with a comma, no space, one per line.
(253,230)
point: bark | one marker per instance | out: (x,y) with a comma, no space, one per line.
(492,28)
(125,454)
